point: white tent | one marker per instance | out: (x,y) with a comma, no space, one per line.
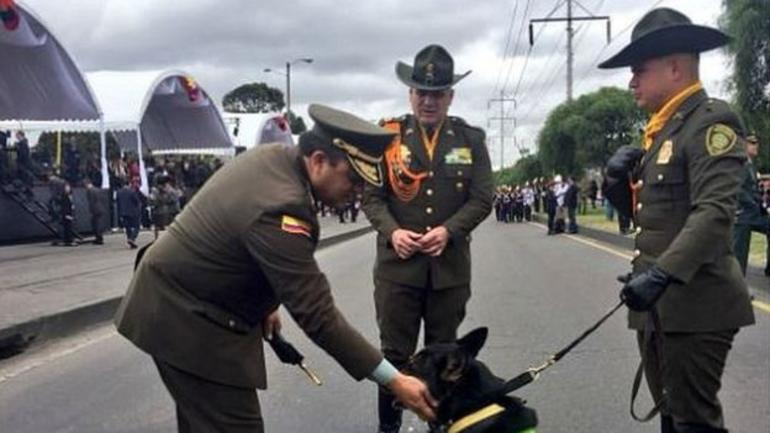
(251,129)
(38,79)
(165,111)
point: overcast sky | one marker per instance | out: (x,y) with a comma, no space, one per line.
(355,45)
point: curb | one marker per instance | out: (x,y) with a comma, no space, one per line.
(17,338)
(754,275)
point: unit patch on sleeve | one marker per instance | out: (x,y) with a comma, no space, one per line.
(720,139)
(295,225)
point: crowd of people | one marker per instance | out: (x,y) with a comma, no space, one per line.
(557,198)
(172,181)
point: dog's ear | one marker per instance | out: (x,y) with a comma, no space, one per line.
(453,370)
(472,342)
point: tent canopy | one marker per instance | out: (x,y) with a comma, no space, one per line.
(169,108)
(257,128)
(38,78)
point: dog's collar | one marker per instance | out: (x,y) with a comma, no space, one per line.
(475,417)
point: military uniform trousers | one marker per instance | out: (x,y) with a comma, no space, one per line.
(400,309)
(203,406)
(692,374)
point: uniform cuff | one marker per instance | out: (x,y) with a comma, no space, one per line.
(383,373)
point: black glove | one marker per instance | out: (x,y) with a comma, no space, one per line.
(642,291)
(286,352)
(623,161)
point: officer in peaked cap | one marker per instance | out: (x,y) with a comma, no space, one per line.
(681,187)
(438,187)
(206,293)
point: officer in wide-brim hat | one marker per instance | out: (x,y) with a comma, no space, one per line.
(665,31)
(438,188)
(685,178)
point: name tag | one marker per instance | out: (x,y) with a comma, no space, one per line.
(459,155)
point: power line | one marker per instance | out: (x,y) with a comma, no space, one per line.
(595,62)
(529,50)
(505,50)
(517,45)
(569,19)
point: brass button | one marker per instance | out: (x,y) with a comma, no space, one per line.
(660,176)
(428,210)
(231,323)
(430,173)
(428,228)
(459,185)
(459,172)
(637,253)
(638,206)
(429,191)
(640,183)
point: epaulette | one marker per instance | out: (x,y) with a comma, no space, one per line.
(459,121)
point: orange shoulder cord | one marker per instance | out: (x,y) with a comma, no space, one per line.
(405,191)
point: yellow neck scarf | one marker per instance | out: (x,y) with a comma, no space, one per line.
(430,142)
(659,119)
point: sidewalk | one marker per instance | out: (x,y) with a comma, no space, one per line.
(755,277)
(48,292)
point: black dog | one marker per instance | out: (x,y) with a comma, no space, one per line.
(467,391)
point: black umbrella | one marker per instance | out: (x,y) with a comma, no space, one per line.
(288,354)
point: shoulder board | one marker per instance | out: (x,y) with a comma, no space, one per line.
(459,121)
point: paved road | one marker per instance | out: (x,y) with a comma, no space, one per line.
(535,293)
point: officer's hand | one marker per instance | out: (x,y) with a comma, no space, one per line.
(271,323)
(434,242)
(623,161)
(414,394)
(645,288)
(405,242)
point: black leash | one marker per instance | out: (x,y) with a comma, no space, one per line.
(653,334)
(533,373)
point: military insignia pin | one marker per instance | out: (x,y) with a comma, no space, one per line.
(666,152)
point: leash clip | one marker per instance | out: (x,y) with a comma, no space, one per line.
(535,371)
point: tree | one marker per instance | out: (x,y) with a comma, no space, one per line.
(253,98)
(525,169)
(748,22)
(296,123)
(585,132)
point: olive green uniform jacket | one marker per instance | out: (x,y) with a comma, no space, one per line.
(240,248)
(457,194)
(684,213)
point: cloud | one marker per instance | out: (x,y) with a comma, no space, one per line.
(355,44)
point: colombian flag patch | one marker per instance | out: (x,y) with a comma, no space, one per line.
(296,226)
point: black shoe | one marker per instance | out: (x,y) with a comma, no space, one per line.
(98,242)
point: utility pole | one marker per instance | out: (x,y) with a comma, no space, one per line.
(570,33)
(502,100)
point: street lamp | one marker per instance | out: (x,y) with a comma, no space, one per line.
(288,80)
